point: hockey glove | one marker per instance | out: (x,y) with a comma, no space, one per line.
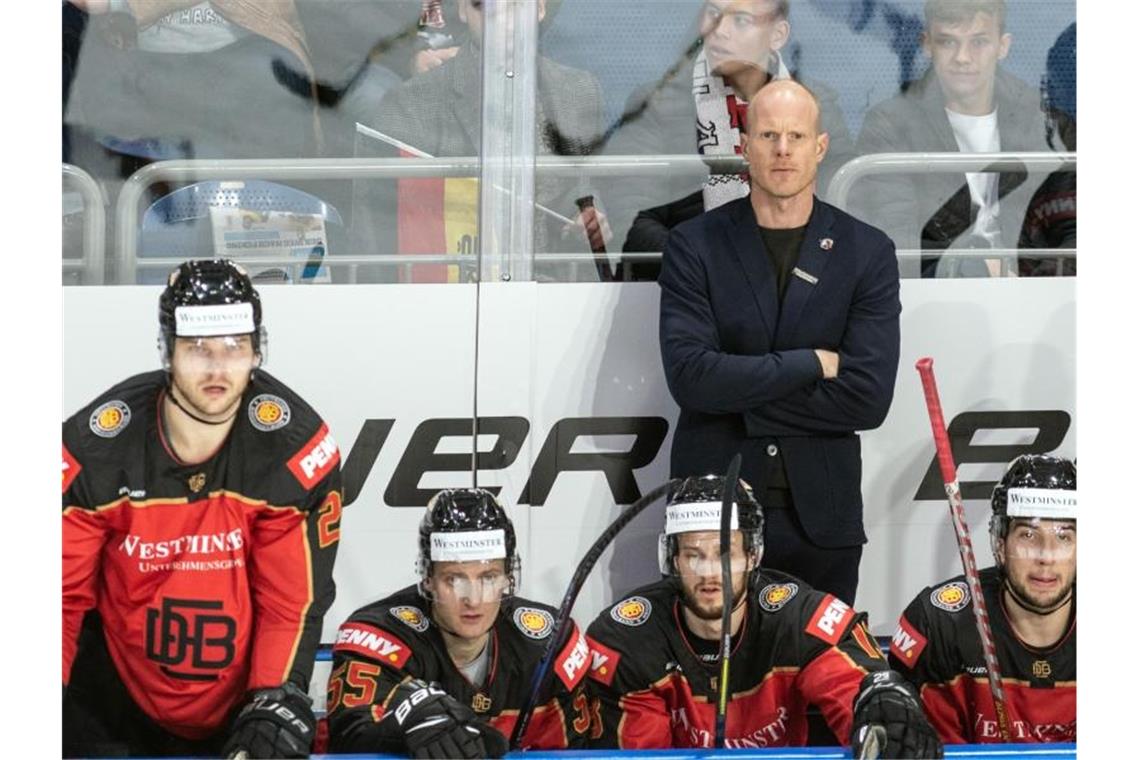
(436,725)
(887,711)
(274,723)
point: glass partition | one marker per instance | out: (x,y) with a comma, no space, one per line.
(673,78)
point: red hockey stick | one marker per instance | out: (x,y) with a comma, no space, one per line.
(925,367)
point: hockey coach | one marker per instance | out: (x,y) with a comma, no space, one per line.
(779,336)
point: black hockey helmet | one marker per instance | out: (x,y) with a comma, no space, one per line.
(1022,493)
(467,524)
(693,504)
(209,297)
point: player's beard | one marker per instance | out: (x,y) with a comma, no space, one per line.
(1023,598)
(203,412)
(711,613)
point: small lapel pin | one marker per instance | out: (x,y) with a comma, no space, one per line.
(805,276)
(826,243)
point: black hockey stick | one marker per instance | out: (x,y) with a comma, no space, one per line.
(562,623)
(925,367)
(727,496)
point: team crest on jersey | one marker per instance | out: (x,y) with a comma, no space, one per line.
(534,623)
(951,597)
(632,611)
(776,595)
(412,617)
(268,412)
(110,418)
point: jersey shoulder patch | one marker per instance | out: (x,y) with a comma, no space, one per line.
(356,637)
(533,622)
(907,643)
(110,418)
(632,611)
(775,595)
(268,412)
(951,597)
(413,617)
(830,620)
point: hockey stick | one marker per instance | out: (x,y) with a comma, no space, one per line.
(562,622)
(727,496)
(925,367)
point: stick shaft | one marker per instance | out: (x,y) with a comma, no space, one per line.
(562,624)
(925,367)
(727,496)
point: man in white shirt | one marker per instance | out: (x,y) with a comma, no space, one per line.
(964,102)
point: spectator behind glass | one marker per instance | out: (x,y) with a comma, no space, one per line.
(1051,221)
(439,113)
(162,79)
(699,105)
(964,102)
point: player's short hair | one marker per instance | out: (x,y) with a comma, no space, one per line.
(957,11)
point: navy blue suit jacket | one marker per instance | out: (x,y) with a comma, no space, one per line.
(741,365)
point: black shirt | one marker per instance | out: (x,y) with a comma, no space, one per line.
(783,248)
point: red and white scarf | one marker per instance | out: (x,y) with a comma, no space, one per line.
(720,122)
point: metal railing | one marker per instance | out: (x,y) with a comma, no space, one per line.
(133,191)
(910,163)
(128,206)
(91,265)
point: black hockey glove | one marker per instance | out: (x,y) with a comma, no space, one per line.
(888,712)
(436,725)
(274,723)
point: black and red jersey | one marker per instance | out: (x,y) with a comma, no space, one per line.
(936,646)
(210,579)
(386,642)
(796,646)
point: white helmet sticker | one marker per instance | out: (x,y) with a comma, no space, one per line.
(468,546)
(682,518)
(1050,503)
(219,319)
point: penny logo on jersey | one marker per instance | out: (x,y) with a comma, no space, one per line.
(632,611)
(951,596)
(71,468)
(370,641)
(907,643)
(109,419)
(316,459)
(268,412)
(830,619)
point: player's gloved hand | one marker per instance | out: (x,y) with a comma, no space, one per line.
(887,710)
(436,725)
(274,723)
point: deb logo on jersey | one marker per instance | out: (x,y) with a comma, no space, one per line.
(190,633)
(316,459)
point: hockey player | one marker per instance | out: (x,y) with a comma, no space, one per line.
(201,515)
(442,668)
(1031,600)
(656,655)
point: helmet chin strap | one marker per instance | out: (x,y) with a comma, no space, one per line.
(1028,606)
(170,395)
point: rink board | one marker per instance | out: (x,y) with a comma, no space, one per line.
(576,368)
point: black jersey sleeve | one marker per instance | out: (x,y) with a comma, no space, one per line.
(369,662)
(922,650)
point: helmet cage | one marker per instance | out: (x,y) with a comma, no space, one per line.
(467,513)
